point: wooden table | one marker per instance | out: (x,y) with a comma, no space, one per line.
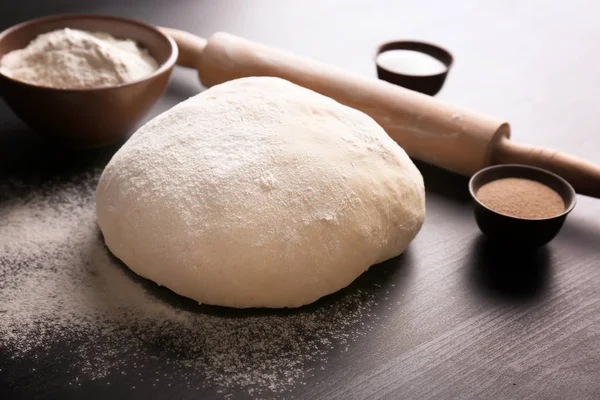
(466,320)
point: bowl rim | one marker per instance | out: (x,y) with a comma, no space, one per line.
(165,66)
(568,207)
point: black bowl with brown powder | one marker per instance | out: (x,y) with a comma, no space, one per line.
(519,204)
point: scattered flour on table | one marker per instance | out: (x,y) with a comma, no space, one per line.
(75,59)
(59,284)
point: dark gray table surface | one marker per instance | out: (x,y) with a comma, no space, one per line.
(468,320)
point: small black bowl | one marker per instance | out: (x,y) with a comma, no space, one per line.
(520,231)
(427,84)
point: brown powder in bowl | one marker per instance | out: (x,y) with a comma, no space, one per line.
(521,198)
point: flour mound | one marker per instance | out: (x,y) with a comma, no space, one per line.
(75,59)
(259,193)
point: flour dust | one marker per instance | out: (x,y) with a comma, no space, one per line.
(59,285)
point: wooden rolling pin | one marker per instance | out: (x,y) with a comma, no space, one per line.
(428,129)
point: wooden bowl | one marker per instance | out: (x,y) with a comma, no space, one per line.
(87,117)
(520,231)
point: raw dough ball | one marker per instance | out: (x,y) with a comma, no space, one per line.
(259,193)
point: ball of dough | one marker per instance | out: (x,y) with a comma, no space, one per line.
(259,193)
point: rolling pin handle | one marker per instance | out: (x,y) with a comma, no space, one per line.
(190,46)
(584,176)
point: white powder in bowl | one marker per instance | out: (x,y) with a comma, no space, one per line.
(64,297)
(75,59)
(410,62)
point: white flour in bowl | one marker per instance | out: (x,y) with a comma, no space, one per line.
(75,59)
(64,297)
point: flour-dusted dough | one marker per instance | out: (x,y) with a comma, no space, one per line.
(259,193)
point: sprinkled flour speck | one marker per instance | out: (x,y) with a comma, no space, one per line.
(59,284)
